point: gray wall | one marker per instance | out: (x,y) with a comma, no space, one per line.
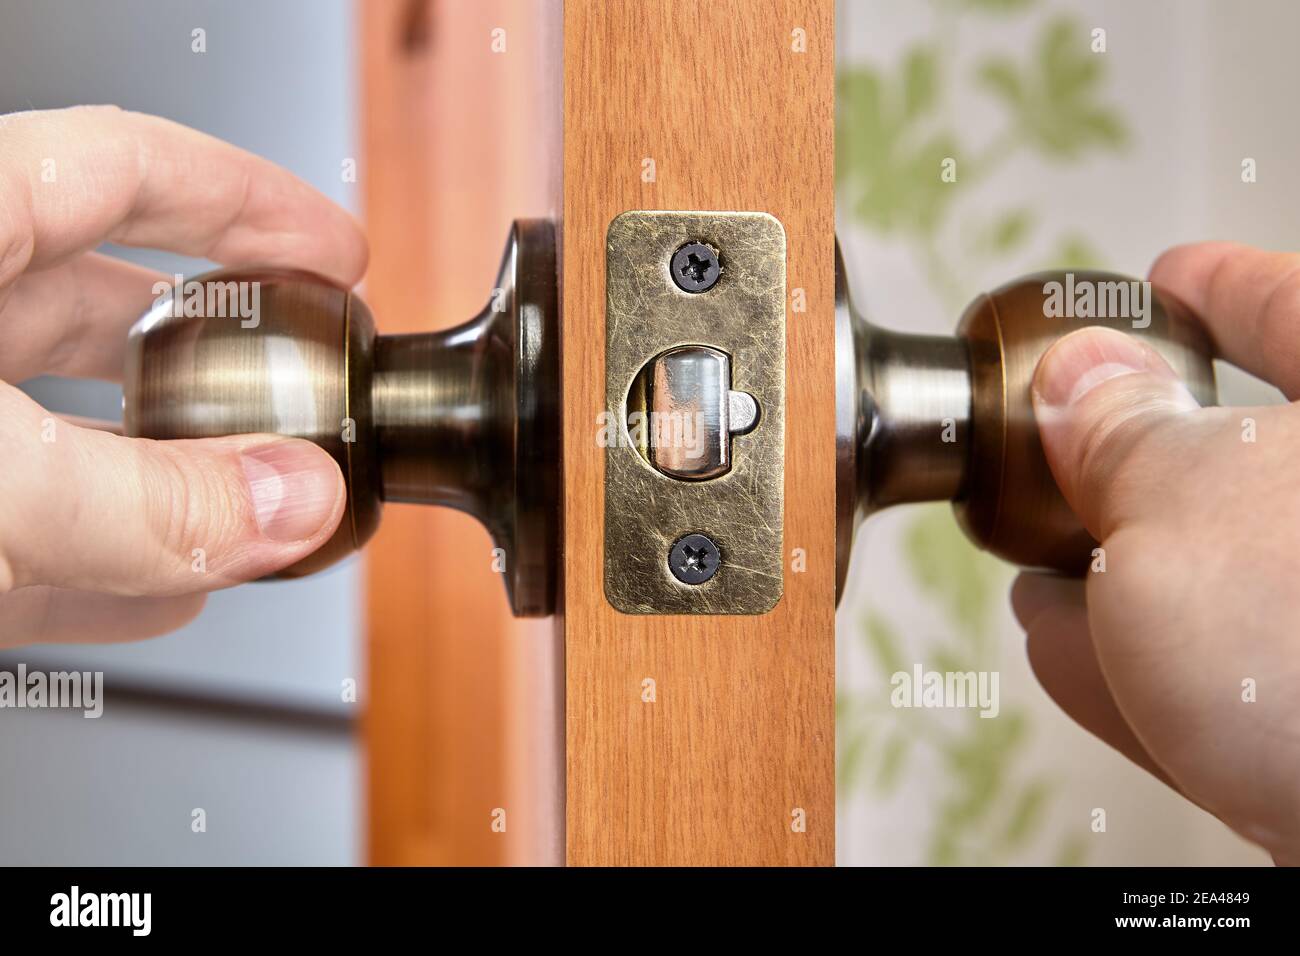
(240,713)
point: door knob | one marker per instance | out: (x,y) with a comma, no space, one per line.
(466,417)
(469,418)
(935,418)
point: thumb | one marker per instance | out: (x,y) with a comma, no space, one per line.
(84,509)
(1111,412)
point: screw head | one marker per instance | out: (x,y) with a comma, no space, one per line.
(694,559)
(695,267)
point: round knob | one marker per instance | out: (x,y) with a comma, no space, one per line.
(933,418)
(1010,503)
(249,350)
(465,417)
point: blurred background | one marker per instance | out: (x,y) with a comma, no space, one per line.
(242,712)
(259,713)
(1066,158)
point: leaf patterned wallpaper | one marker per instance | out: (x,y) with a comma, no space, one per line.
(973,138)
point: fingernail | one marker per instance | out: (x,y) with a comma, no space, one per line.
(294,486)
(1082,360)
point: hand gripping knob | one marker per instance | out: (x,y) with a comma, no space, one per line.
(465,417)
(934,418)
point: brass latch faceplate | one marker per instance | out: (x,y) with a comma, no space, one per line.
(694,423)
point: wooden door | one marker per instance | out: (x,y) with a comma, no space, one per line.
(731,102)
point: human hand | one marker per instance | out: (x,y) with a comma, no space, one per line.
(98,533)
(1199,517)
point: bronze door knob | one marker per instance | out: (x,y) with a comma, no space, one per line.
(469,417)
(466,417)
(935,418)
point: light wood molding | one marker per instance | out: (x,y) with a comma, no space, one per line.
(461,706)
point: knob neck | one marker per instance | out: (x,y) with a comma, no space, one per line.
(915,396)
(468,418)
(443,415)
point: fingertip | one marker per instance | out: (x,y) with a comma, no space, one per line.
(1062,659)
(220,511)
(163,615)
(335,246)
(354,255)
(1181,268)
(1059,650)
(54,615)
(1097,394)
(296,488)
(325,237)
(1034,592)
(1079,362)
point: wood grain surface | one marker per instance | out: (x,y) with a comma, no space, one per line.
(738,745)
(462,702)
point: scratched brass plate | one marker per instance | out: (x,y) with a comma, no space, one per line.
(744,316)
